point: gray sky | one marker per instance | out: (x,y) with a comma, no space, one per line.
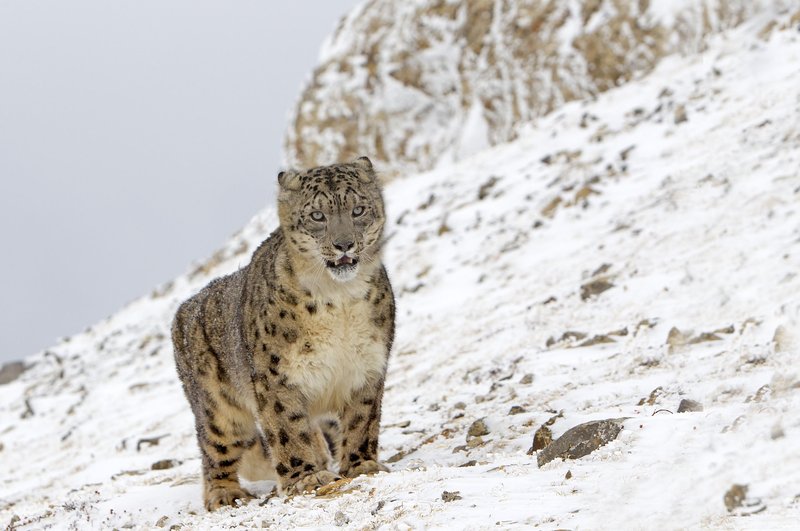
(135,137)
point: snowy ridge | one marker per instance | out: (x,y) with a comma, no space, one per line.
(402,80)
(619,256)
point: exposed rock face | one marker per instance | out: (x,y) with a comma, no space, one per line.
(415,83)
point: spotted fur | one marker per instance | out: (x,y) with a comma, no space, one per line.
(283,362)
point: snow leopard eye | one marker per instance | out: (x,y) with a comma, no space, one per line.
(357,211)
(317,216)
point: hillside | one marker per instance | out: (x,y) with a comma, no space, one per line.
(622,254)
(419,83)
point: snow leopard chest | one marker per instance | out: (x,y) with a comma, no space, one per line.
(339,350)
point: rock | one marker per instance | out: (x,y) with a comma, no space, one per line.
(340,519)
(735,497)
(655,394)
(486,187)
(516,410)
(162,521)
(451,496)
(474,442)
(378,507)
(11,371)
(689,406)
(676,339)
(595,287)
(460,405)
(776,432)
(705,336)
(680,114)
(783,340)
(541,439)
(398,456)
(581,440)
(471,462)
(568,475)
(164,464)
(596,340)
(527,379)
(477,429)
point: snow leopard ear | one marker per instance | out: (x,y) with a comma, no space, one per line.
(289,180)
(368,173)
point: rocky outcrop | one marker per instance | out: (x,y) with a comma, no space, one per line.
(415,83)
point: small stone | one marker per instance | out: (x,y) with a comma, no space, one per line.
(541,439)
(689,406)
(783,340)
(164,464)
(676,338)
(175,527)
(397,457)
(680,114)
(11,371)
(596,340)
(527,379)
(581,440)
(568,475)
(704,337)
(516,410)
(474,442)
(735,497)
(595,287)
(460,405)
(655,394)
(340,519)
(378,507)
(477,429)
(162,521)
(777,431)
(451,496)
(471,462)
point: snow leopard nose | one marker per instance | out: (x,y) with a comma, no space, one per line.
(344,245)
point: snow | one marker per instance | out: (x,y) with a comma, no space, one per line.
(698,223)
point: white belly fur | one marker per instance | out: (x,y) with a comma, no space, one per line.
(339,350)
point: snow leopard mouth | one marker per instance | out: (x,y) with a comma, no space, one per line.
(343,269)
(343,263)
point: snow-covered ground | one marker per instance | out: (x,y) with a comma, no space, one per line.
(546,274)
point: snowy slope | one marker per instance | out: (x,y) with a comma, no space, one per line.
(402,80)
(679,193)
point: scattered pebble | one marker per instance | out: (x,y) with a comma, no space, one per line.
(340,519)
(451,496)
(516,410)
(568,475)
(735,497)
(595,287)
(689,406)
(477,429)
(164,464)
(680,114)
(162,521)
(541,439)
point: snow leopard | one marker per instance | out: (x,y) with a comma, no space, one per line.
(283,362)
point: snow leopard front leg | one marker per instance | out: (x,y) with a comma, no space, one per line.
(361,420)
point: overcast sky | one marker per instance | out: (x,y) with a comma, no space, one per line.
(135,137)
